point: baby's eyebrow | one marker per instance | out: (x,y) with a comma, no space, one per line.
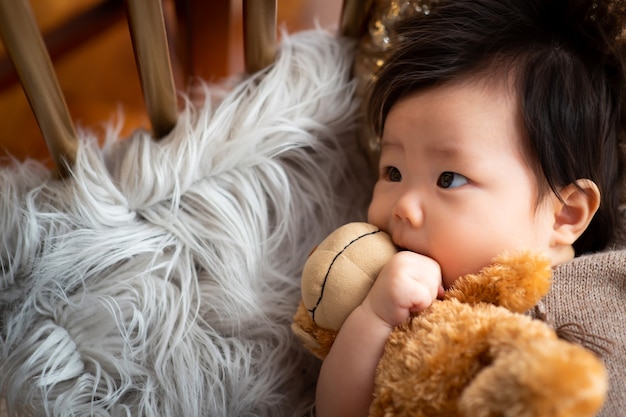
(388,142)
(452,152)
(445,149)
(390,145)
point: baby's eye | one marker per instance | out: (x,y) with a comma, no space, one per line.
(393,174)
(450,179)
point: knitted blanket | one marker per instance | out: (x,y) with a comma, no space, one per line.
(161,278)
(590,292)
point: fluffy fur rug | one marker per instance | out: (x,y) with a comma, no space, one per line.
(162,277)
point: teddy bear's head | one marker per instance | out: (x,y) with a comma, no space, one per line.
(341,270)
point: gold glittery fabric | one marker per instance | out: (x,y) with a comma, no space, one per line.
(374,47)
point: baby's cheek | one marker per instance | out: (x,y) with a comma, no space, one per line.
(449,279)
(457,266)
(447,283)
(376,215)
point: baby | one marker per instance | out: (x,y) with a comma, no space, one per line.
(500,124)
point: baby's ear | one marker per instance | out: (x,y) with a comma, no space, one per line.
(579,202)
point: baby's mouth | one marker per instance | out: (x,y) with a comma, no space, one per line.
(402,248)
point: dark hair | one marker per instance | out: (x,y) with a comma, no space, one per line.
(566,60)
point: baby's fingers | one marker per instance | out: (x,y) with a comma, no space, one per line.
(408,283)
(421,297)
(423,270)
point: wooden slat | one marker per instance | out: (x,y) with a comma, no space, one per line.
(25,46)
(147,27)
(353,17)
(259,25)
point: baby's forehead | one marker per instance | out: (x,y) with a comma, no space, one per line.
(480,95)
(458,120)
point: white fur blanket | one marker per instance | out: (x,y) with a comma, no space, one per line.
(162,277)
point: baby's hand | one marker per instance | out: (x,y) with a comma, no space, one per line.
(409,282)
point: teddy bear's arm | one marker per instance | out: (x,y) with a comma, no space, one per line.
(458,360)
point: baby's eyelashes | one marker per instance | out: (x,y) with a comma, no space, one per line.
(449,179)
(392,174)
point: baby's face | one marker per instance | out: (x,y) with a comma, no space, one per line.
(453,182)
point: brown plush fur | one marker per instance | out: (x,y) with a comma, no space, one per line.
(317,340)
(478,359)
(474,354)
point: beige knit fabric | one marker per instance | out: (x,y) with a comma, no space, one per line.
(591,291)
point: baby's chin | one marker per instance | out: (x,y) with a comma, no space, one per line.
(448,282)
(449,277)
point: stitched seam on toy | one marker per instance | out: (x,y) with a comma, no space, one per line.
(319,300)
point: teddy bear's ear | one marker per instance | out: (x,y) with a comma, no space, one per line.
(316,339)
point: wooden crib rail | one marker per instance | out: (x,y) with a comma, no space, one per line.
(25,47)
(147,29)
(353,17)
(259,26)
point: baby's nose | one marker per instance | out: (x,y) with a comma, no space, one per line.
(408,208)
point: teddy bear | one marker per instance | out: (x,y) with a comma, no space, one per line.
(473,353)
